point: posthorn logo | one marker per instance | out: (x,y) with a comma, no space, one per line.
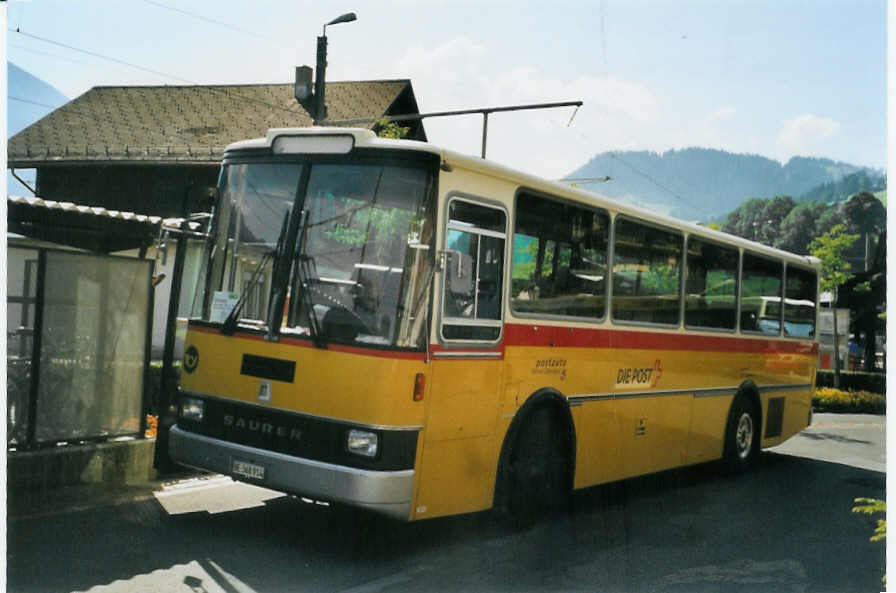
(191,359)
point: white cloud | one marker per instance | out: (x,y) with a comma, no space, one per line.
(445,73)
(805,135)
(720,114)
(460,74)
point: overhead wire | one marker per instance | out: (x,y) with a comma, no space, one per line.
(212,21)
(167,136)
(43,53)
(608,177)
(98,55)
(603,112)
(11,98)
(278,107)
(156,72)
(654,181)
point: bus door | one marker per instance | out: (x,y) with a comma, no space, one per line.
(467,365)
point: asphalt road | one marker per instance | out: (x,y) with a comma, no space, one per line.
(785,527)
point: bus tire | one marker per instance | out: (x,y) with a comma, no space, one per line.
(539,467)
(742,435)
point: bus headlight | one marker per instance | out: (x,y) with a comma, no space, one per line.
(192,408)
(362,442)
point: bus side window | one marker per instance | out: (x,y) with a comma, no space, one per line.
(474,271)
(646,273)
(710,285)
(559,259)
(760,302)
(799,302)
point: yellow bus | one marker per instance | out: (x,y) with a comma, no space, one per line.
(397,327)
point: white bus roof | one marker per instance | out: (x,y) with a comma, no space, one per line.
(364,138)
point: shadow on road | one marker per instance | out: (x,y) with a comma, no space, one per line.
(785,527)
(837,438)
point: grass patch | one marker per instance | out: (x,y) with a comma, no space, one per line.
(828,399)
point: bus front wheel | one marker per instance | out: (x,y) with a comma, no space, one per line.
(742,436)
(539,466)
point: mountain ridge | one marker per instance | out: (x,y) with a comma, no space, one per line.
(28,99)
(698,183)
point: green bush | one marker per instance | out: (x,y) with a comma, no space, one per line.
(854,381)
(828,399)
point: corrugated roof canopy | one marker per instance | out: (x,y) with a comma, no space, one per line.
(192,124)
(84,227)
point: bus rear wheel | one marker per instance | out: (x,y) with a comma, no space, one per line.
(539,467)
(742,436)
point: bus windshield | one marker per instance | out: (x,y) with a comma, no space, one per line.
(352,239)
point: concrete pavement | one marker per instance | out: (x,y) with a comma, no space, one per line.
(858,440)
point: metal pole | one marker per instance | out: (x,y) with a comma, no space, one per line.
(484,131)
(37,346)
(320,80)
(414,116)
(867,251)
(836,344)
(147,348)
(168,386)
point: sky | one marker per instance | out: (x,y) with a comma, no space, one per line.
(772,77)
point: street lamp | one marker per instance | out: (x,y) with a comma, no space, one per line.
(315,102)
(346,18)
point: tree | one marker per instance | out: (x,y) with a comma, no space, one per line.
(830,249)
(744,221)
(828,219)
(759,219)
(385,128)
(773,213)
(867,217)
(799,227)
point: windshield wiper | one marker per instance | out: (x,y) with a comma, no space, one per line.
(229,325)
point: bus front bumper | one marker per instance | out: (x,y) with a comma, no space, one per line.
(385,492)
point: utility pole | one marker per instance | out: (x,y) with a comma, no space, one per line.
(315,101)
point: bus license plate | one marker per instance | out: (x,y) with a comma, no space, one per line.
(248,470)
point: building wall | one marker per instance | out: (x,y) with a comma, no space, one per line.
(145,189)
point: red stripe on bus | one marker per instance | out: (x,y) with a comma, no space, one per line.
(542,335)
(573,337)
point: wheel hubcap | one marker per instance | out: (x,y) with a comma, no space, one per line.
(744,436)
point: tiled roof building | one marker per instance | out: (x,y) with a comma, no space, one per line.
(190,124)
(142,148)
